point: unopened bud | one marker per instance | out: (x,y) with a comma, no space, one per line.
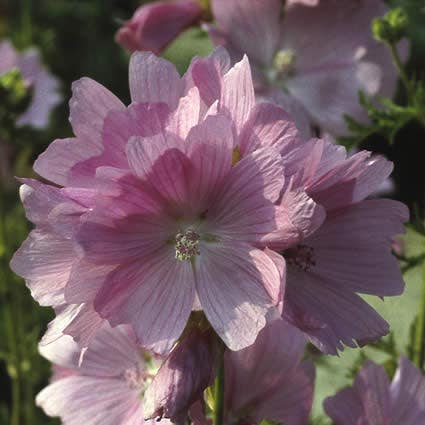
(392,27)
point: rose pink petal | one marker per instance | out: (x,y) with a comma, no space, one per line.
(155,25)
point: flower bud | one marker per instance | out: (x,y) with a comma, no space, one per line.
(186,373)
(155,25)
(391,28)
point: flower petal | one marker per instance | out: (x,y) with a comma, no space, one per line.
(153,80)
(234,283)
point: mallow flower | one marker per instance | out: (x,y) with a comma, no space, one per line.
(311,60)
(106,387)
(44,86)
(349,254)
(159,208)
(373,399)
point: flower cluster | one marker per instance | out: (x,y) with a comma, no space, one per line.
(194,219)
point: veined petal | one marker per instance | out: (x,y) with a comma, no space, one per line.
(155,294)
(153,79)
(234,283)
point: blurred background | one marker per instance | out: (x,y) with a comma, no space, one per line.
(76,38)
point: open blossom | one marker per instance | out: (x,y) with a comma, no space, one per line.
(374,400)
(106,388)
(163,204)
(316,74)
(349,253)
(155,25)
(194,197)
(44,86)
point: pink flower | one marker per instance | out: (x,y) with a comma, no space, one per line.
(314,73)
(155,25)
(269,380)
(349,253)
(45,87)
(166,202)
(374,400)
(106,388)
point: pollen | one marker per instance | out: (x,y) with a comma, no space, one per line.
(187,245)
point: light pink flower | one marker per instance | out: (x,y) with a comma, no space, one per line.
(269,380)
(45,87)
(349,254)
(374,400)
(166,203)
(106,388)
(312,60)
(155,25)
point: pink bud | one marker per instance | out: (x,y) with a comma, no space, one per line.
(182,378)
(155,25)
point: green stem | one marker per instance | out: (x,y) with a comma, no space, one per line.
(219,394)
(419,341)
(401,70)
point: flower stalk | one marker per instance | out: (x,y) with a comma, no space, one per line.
(219,394)
(419,339)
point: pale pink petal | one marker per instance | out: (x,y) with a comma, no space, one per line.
(252,27)
(335,317)
(210,148)
(44,260)
(407,395)
(367,228)
(297,217)
(207,74)
(89,106)
(60,157)
(351,181)
(155,294)
(234,283)
(140,119)
(283,389)
(237,93)
(111,352)
(85,279)
(81,399)
(268,125)
(153,79)
(186,115)
(245,211)
(84,325)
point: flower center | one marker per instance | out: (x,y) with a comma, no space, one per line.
(284,62)
(301,256)
(135,378)
(187,245)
